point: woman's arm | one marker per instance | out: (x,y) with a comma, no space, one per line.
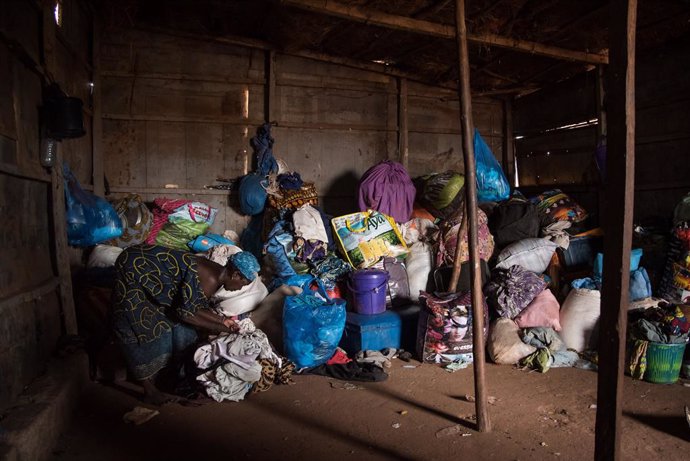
(211,321)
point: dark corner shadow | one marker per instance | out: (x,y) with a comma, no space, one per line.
(676,426)
(450,417)
(125,387)
(340,196)
(292,418)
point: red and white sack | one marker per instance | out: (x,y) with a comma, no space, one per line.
(197,212)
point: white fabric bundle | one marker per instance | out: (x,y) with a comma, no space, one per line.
(237,302)
(103,256)
(419,265)
(308,224)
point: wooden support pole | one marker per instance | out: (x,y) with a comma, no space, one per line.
(58,189)
(60,237)
(457,262)
(403,146)
(96,118)
(381,19)
(483,423)
(49,44)
(508,140)
(270,94)
(618,214)
(601,110)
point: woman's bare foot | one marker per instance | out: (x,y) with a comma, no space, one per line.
(154,396)
(159,398)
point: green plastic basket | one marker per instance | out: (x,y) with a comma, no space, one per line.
(663,362)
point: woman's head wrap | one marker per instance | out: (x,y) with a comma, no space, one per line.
(246,263)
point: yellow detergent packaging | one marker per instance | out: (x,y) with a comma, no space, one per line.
(366,236)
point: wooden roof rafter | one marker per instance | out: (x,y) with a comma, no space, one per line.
(404,23)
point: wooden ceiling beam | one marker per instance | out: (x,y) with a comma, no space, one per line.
(404,23)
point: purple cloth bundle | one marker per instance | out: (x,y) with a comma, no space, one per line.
(388,189)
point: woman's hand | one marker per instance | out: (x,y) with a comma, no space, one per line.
(208,320)
(231,325)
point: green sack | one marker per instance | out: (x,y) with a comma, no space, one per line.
(441,193)
(176,234)
(539,360)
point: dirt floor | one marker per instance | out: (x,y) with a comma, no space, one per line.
(419,413)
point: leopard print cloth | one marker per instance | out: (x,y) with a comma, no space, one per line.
(270,375)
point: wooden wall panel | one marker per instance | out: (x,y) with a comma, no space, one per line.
(30,324)
(332,122)
(124,145)
(572,101)
(28,334)
(27,100)
(662,163)
(166,99)
(204,149)
(20,20)
(24,234)
(236,151)
(318,73)
(435,135)
(76,30)
(325,106)
(563,157)
(143,53)
(431,153)
(166,161)
(8,127)
(662,132)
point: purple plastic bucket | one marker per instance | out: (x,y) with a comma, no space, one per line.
(368,289)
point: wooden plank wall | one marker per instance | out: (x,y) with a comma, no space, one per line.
(175,112)
(178,112)
(435,135)
(30,309)
(548,158)
(662,135)
(662,128)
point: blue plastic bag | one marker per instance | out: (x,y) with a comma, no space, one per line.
(253,194)
(598,266)
(312,326)
(640,286)
(492,184)
(90,219)
(206,242)
(276,248)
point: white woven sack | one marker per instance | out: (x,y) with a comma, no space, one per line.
(505,346)
(419,265)
(533,254)
(579,318)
